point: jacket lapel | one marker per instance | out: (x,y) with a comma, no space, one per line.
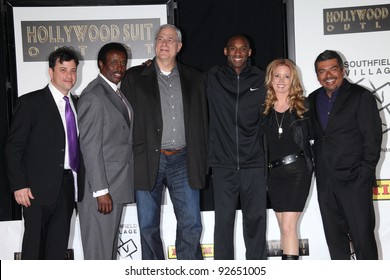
(115,100)
(186,84)
(52,106)
(150,84)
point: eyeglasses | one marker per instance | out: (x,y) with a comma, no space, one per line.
(166,40)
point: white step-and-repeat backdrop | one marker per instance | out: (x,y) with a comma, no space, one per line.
(359,29)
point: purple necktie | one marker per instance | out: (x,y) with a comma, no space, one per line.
(71,132)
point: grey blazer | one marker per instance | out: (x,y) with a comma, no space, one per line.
(106,142)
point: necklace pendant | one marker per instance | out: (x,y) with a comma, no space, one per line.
(280,129)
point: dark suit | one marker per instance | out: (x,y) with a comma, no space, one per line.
(106,144)
(346,153)
(35,152)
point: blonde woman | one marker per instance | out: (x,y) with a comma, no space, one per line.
(287,129)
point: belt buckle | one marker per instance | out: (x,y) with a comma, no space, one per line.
(170,152)
(286,160)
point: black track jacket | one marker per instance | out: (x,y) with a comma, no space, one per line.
(234,111)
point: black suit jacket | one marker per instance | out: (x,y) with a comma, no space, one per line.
(140,86)
(350,145)
(35,147)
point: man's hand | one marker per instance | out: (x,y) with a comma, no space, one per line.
(23,197)
(104,203)
(147,62)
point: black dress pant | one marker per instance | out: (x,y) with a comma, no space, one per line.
(247,186)
(47,227)
(347,214)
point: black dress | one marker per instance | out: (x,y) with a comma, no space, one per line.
(288,185)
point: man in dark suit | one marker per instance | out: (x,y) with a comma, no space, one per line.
(43,160)
(170,134)
(347,144)
(106,127)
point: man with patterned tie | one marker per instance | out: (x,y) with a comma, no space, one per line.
(43,163)
(106,124)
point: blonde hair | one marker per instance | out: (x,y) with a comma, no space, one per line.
(295,96)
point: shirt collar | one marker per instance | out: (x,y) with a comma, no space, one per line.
(332,97)
(111,84)
(173,71)
(57,95)
(244,70)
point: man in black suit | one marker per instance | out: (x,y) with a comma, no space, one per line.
(170,143)
(43,160)
(348,137)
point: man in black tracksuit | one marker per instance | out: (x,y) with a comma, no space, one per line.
(235,93)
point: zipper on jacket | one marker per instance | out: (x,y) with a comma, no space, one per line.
(237,146)
(297,120)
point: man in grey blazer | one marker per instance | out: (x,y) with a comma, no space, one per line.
(105,124)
